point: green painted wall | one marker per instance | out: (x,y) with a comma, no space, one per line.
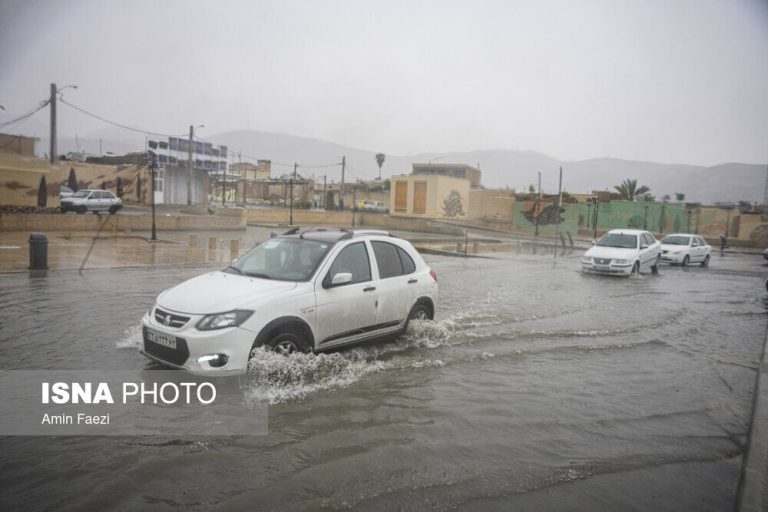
(655,217)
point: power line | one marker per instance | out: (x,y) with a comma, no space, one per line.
(42,105)
(119,125)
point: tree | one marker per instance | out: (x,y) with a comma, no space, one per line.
(380,157)
(120,187)
(629,189)
(42,193)
(138,188)
(103,185)
(531,189)
(72,180)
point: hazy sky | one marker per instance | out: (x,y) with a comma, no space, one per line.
(673,81)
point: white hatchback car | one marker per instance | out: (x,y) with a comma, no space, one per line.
(302,291)
(683,249)
(623,252)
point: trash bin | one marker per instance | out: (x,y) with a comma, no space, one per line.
(38,251)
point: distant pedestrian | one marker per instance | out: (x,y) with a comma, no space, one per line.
(723,243)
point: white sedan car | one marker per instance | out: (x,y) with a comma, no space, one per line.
(302,291)
(682,249)
(623,252)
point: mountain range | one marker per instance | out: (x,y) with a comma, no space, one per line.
(501,168)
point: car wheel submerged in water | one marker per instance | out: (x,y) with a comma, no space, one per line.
(303,291)
(288,343)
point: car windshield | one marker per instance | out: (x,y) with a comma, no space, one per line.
(675,240)
(618,240)
(283,259)
(82,193)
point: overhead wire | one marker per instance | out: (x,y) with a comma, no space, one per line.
(119,125)
(22,117)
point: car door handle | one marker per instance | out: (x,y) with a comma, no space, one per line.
(411,281)
(369,288)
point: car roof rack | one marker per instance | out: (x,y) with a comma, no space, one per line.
(375,232)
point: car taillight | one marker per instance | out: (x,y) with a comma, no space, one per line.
(433,274)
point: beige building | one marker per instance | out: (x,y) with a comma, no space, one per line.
(261,171)
(463,171)
(17,144)
(429,196)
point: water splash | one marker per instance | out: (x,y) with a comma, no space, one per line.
(131,338)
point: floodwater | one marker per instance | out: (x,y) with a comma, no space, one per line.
(537,388)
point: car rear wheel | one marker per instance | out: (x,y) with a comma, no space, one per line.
(418,312)
(706,261)
(686,260)
(288,343)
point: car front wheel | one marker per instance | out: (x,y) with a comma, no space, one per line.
(81,209)
(686,260)
(655,266)
(288,343)
(636,269)
(706,261)
(112,210)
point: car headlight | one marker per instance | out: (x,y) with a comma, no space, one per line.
(586,259)
(222,320)
(621,262)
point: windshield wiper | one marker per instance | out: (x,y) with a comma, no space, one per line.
(237,270)
(256,274)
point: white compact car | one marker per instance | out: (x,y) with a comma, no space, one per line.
(623,252)
(303,291)
(684,248)
(91,201)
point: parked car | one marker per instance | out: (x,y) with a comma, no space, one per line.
(375,206)
(303,291)
(623,252)
(682,249)
(91,201)
(765,254)
(65,191)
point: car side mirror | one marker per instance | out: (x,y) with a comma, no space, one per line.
(341,278)
(643,246)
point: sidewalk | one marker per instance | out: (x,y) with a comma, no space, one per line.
(753,487)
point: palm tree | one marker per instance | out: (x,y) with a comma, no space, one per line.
(629,189)
(380,157)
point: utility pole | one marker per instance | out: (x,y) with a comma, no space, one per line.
(189,165)
(354,203)
(325,177)
(559,206)
(341,192)
(295,165)
(53,124)
(224,188)
(538,206)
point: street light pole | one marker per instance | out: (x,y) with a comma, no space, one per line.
(154,229)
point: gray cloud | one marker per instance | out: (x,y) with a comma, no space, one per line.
(679,81)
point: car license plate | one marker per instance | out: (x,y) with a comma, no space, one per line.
(161,339)
(602,267)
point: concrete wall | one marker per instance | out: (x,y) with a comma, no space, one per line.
(300,217)
(90,222)
(491,205)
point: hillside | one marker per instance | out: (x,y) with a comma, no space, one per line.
(500,167)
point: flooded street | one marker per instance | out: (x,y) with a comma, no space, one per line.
(537,388)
